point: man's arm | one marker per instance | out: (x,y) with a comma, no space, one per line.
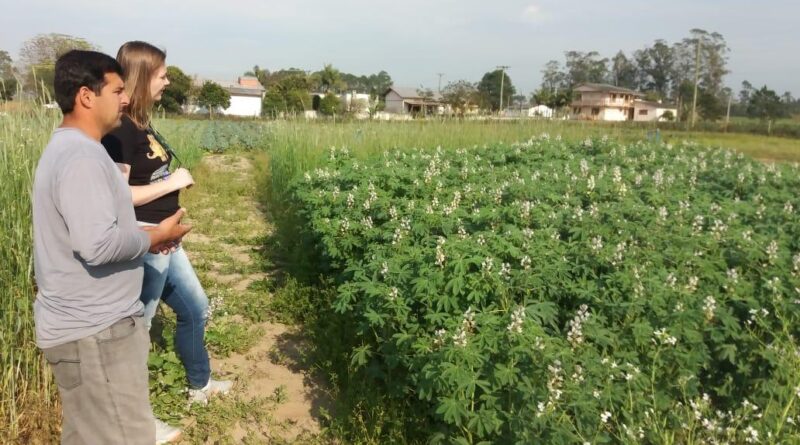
(88,206)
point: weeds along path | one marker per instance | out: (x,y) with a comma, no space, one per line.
(276,399)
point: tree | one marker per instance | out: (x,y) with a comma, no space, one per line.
(766,104)
(713,58)
(745,93)
(553,78)
(460,95)
(379,83)
(329,105)
(177,92)
(585,68)
(213,96)
(655,68)
(38,57)
(328,80)
(623,71)
(289,95)
(8,80)
(553,99)
(489,89)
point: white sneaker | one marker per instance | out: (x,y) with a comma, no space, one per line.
(166,433)
(213,387)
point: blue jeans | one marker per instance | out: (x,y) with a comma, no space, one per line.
(171,278)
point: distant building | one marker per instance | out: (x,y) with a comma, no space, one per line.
(540,111)
(597,101)
(645,110)
(400,100)
(246,93)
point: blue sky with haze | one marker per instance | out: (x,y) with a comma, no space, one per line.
(415,39)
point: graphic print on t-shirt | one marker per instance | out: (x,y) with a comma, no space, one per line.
(156,150)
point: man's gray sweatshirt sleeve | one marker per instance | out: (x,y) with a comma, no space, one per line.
(91,212)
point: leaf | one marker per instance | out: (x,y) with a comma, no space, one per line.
(360,356)
(453,410)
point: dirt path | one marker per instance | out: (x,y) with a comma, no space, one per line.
(272,374)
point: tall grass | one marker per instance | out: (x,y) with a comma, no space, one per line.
(25,388)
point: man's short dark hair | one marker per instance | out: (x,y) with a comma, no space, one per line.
(79,68)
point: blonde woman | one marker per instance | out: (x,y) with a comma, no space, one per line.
(144,158)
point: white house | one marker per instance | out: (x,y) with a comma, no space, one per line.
(402,100)
(246,97)
(645,110)
(597,101)
(540,111)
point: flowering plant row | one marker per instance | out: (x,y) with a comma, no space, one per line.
(555,292)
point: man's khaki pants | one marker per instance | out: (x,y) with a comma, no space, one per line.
(102,380)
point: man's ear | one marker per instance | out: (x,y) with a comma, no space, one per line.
(85,97)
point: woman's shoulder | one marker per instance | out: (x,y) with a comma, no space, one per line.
(123,140)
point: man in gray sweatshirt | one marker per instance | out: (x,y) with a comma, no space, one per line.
(88,263)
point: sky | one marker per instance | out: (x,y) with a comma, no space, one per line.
(414,40)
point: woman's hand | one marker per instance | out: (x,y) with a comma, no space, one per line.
(181,178)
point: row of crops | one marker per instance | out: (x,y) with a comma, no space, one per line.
(561,293)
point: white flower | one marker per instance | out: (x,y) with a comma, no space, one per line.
(605,416)
(487,264)
(709,306)
(440,336)
(691,286)
(526,262)
(505,271)
(517,318)
(393,293)
(575,334)
(440,258)
(661,336)
(596,243)
(772,251)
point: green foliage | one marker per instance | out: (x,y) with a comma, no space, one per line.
(38,57)
(460,95)
(766,104)
(289,95)
(213,97)
(553,292)
(8,81)
(489,87)
(329,80)
(553,99)
(329,105)
(177,92)
(374,84)
(218,137)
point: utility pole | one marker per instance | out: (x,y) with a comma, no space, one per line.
(440,81)
(728,113)
(502,69)
(696,80)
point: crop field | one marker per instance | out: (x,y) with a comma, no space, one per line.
(555,292)
(476,282)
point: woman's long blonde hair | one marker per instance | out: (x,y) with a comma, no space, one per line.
(140,61)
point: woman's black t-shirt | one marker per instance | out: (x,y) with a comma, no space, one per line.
(149,162)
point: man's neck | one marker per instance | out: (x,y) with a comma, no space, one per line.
(87,128)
